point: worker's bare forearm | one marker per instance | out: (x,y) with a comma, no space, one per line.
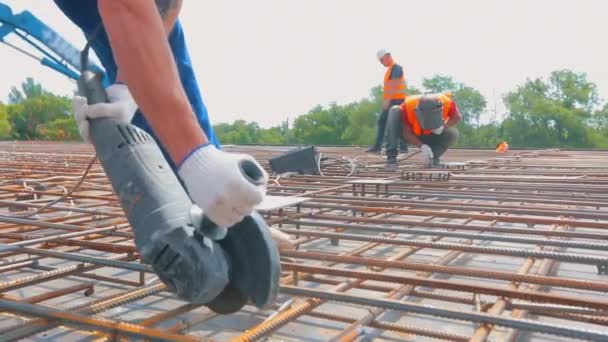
(169,11)
(145,62)
(411,138)
(453,121)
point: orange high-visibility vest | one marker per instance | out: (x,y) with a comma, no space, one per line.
(394,89)
(502,147)
(408,109)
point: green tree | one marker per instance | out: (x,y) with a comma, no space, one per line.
(242,132)
(317,127)
(29,89)
(439,84)
(600,119)
(470,101)
(63,128)
(5,126)
(552,113)
(572,90)
(361,123)
(485,136)
(27,116)
(272,136)
(239,132)
(286,132)
(322,125)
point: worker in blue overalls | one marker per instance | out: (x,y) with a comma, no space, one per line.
(142,47)
(153,86)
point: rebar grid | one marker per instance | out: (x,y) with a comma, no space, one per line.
(487,247)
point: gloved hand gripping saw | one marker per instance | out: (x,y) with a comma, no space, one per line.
(198,260)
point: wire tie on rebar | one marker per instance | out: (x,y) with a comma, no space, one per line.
(285,306)
(152,281)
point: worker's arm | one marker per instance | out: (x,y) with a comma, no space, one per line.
(455,116)
(213,178)
(427,152)
(410,137)
(169,12)
(137,35)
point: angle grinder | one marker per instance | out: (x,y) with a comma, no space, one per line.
(223,268)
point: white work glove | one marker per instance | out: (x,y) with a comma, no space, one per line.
(427,153)
(121,108)
(439,130)
(216,184)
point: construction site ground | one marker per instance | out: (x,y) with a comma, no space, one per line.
(488,246)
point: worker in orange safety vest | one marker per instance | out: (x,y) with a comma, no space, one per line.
(427,121)
(393,94)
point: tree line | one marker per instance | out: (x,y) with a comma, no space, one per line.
(32,113)
(562,110)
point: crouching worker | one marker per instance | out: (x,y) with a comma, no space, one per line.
(426,121)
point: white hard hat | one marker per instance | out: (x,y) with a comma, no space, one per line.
(381,53)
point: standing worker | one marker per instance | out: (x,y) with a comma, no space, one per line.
(393,94)
(426,121)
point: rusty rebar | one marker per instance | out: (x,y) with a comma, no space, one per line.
(492,205)
(540,327)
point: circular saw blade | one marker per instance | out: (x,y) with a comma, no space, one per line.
(255,267)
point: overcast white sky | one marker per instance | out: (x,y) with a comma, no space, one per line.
(288,56)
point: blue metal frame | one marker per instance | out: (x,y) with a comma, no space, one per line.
(59,54)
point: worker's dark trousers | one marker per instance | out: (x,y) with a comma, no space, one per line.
(381,128)
(394,133)
(440,143)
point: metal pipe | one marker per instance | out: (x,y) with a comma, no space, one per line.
(433,333)
(80,321)
(478,317)
(88,259)
(577,214)
(40,325)
(480,217)
(37,223)
(88,287)
(595,303)
(588,285)
(454,226)
(51,275)
(568,257)
(490,237)
(17,245)
(481,334)
(352,332)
